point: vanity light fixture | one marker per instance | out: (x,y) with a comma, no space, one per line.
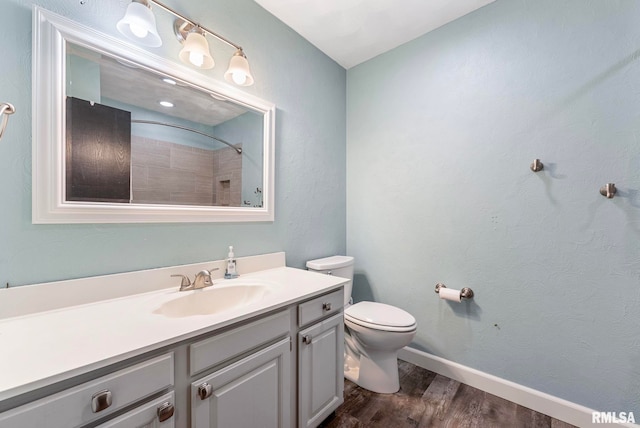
(137,25)
(238,71)
(196,51)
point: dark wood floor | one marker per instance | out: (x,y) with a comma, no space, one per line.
(426,399)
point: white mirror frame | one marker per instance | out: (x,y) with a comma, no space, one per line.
(50,34)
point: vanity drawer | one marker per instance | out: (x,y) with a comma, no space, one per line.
(158,413)
(95,399)
(320,307)
(210,352)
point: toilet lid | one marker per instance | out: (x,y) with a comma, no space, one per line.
(379,314)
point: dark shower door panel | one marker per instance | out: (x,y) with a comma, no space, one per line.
(98,153)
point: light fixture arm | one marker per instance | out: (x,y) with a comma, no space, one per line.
(195,24)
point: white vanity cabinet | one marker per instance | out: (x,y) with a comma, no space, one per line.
(257,387)
(320,358)
(99,398)
(275,369)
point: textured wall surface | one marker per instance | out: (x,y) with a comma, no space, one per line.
(309,92)
(440,135)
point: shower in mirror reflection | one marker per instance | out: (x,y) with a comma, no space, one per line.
(139,24)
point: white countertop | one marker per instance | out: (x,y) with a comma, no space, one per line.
(43,348)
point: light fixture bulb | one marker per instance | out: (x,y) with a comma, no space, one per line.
(139,24)
(196,58)
(196,51)
(239,78)
(138,31)
(238,71)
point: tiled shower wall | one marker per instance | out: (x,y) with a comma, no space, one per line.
(164,172)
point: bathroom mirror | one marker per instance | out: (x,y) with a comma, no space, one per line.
(124,136)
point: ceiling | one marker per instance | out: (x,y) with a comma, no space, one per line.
(353,31)
(137,86)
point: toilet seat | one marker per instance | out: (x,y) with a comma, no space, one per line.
(380,316)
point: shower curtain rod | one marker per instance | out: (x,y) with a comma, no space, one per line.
(170,125)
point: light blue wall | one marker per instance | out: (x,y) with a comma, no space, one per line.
(440,135)
(308,89)
(83,78)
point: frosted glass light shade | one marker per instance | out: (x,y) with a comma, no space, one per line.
(139,24)
(238,71)
(196,51)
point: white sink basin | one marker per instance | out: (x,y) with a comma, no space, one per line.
(215,299)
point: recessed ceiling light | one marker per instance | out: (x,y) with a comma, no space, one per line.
(169,81)
(166,104)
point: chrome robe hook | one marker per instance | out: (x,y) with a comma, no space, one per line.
(608,190)
(536,165)
(6,110)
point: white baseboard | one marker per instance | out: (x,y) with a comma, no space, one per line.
(541,402)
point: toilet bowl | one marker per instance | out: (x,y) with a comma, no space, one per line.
(374,332)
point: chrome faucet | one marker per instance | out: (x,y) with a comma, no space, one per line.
(202,280)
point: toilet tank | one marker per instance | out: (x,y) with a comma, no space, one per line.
(340,266)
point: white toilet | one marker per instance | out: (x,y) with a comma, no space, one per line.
(374,332)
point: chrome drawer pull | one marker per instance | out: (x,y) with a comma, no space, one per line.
(326,307)
(204,391)
(307,339)
(101,400)
(165,411)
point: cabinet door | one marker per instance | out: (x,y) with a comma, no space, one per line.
(320,370)
(253,392)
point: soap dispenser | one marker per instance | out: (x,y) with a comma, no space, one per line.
(231,265)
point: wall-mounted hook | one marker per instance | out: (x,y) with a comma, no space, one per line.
(6,109)
(537,165)
(608,190)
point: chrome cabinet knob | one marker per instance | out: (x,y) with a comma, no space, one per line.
(204,391)
(326,307)
(101,400)
(307,339)
(165,411)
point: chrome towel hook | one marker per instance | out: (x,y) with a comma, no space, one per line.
(536,165)
(608,190)
(6,110)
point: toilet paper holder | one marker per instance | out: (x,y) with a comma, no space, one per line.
(465,293)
